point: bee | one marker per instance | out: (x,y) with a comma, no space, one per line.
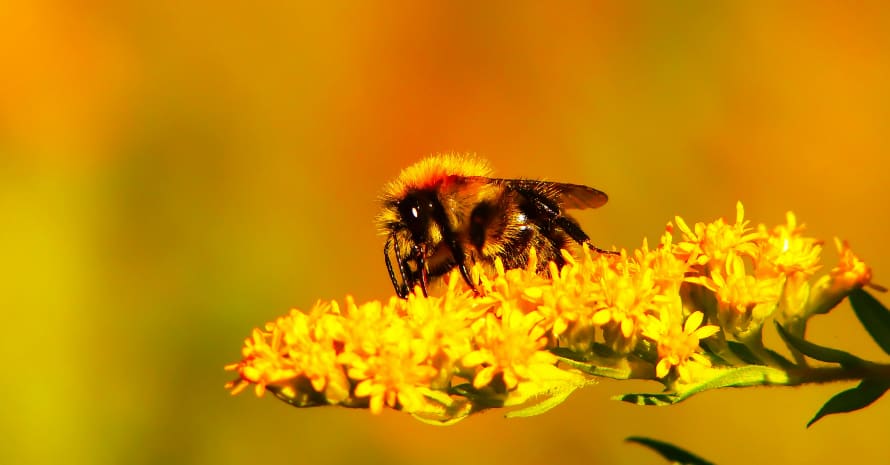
(445,212)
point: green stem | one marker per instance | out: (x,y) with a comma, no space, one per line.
(820,375)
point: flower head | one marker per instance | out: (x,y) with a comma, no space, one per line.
(785,250)
(711,243)
(510,346)
(679,346)
(743,300)
(597,310)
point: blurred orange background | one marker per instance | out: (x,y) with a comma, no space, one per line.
(174,174)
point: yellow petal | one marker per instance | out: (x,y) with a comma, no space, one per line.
(560,326)
(662,369)
(376,404)
(601,317)
(483,377)
(693,322)
(627,327)
(706,331)
(533,293)
(739,212)
(510,379)
(477,357)
(683,226)
(364,388)
(318,383)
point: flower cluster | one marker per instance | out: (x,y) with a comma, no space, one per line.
(673,308)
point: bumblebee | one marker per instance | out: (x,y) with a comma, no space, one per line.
(445,212)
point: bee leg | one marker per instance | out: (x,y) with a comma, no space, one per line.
(601,251)
(457,252)
(392,275)
(400,289)
(460,258)
(421,269)
(408,279)
(575,232)
(466,275)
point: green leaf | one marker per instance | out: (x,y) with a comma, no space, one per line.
(780,359)
(657,400)
(569,354)
(743,352)
(873,316)
(551,388)
(752,375)
(481,399)
(438,414)
(540,407)
(817,352)
(859,397)
(591,369)
(435,421)
(669,451)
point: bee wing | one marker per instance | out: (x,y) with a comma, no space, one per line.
(569,196)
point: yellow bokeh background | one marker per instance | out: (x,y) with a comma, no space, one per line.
(173,174)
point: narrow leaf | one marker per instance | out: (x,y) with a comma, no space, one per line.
(817,352)
(542,406)
(669,451)
(658,400)
(859,397)
(873,316)
(780,359)
(591,369)
(743,352)
(751,375)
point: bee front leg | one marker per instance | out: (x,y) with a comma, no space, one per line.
(408,278)
(421,270)
(466,275)
(399,287)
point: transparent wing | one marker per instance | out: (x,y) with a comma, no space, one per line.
(569,196)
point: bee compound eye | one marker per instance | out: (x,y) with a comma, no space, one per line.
(415,213)
(414,210)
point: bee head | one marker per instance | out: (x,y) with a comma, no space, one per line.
(417,211)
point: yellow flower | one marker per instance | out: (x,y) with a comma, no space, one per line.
(442,325)
(786,251)
(571,296)
(743,301)
(628,297)
(668,268)
(288,350)
(712,243)
(849,274)
(597,311)
(679,347)
(392,377)
(394,351)
(510,346)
